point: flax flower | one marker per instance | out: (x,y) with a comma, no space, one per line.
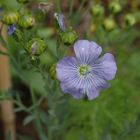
(87,73)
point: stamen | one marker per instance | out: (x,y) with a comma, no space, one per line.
(84,70)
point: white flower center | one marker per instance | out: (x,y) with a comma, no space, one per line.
(84,70)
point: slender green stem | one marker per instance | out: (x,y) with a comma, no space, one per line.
(57,47)
(22,107)
(38,125)
(32,96)
(58,6)
(18,69)
(36,104)
(81,6)
(71,7)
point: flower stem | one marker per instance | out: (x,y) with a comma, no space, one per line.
(38,125)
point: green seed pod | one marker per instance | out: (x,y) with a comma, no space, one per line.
(115,7)
(129,20)
(97,10)
(68,36)
(10,17)
(26,21)
(53,71)
(36,46)
(109,24)
(22,1)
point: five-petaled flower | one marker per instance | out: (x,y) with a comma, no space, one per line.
(87,73)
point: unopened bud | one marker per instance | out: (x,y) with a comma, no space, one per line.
(60,21)
(109,24)
(26,21)
(36,46)
(97,10)
(129,20)
(10,17)
(68,36)
(115,7)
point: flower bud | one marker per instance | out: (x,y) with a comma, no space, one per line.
(129,20)
(26,21)
(115,7)
(11,29)
(109,24)
(10,17)
(97,10)
(53,71)
(22,1)
(68,36)
(60,21)
(36,46)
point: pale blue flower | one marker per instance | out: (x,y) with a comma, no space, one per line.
(87,73)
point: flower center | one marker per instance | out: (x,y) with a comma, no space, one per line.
(84,70)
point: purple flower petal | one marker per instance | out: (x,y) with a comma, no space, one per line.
(66,68)
(60,20)
(34,48)
(75,92)
(11,29)
(106,67)
(87,51)
(92,93)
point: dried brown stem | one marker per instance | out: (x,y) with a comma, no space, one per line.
(8,116)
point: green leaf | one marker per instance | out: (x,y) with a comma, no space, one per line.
(28,119)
